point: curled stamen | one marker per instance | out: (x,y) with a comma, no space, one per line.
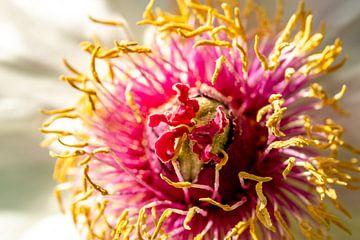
(190,214)
(224,207)
(129,96)
(260,56)
(216,43)
(238,230)
(283,224)
(176,184)
(57,111)
(102,190)
(75,145)
(219,62)
(290,165)
(106,22)
(245,175)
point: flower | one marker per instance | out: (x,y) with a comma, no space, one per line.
(212,132)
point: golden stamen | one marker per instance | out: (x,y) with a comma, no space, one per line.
(245,175)
(106,22)
(289,72)
(92,64)
(57,111)
(102,190)
(239,229)
(216,43)
(298,141)
(102,207)
(224,207)
(259,55)
(290,165)
(75,145)
(130,100)
(176,184)
(238,24)
(165,215)
(219,62)
(244,59)
(190,214)
(60,116)
(283,224)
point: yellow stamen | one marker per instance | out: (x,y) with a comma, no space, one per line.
(290,165)
(165,215)
(75,145)
(224,207)
(121,224)
(190,214)
(259,55)
(86,160)
(275,56)
(52,131)
(238,230)
(148,14)
(240,28)
(334,68)
(264,217)
(92,64)
(216,43)
(273,121)
(289,72)
(252,229)
(71,68)
(60,116)
(245,175)
(244,59)
(298,141)
(261,196)
(57,111)
(176,184)
(218,29)
(284,37)
(129,96)
(262,112)
(176,26)
(223,160)
(106,22)
(102,190)
(78,152)
(196,32)
(283,224)
(101,207)
(71,82)
(219,62)
(101,150)
(204,231)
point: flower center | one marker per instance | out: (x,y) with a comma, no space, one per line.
(192,130)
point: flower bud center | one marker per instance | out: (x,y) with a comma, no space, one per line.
(192,131)
(191,162)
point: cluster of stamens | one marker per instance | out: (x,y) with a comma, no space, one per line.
(209,133)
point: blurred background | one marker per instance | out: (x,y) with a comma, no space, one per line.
(34,37)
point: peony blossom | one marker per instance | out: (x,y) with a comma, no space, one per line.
(213,131)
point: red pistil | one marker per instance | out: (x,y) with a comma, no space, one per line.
(165,145)
(204,136)
(183,115)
